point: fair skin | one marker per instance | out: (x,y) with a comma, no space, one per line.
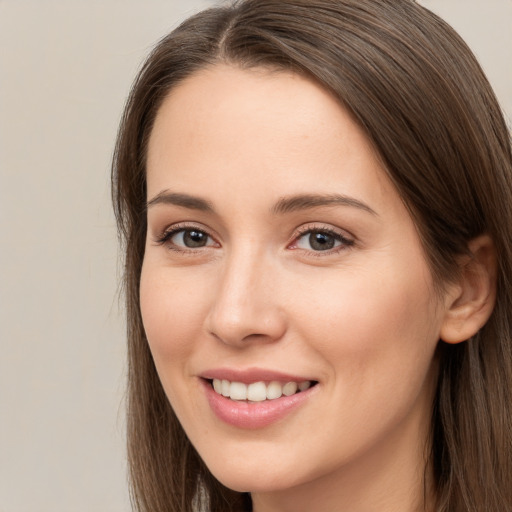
(335,292)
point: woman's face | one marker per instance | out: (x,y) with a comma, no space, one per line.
(279,252)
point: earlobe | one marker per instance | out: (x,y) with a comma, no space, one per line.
(472,299)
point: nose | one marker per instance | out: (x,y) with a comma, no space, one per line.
(245,307)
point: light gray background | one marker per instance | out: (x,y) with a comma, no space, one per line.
(65,70)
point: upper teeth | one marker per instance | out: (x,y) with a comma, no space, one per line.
(258,391)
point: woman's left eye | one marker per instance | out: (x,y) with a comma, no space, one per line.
(321,240)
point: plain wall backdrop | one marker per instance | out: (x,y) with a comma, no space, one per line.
(65,70)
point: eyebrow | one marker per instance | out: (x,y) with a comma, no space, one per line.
(184,200)
(284,204)
(309,201)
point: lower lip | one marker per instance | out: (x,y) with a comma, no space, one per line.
(253,415)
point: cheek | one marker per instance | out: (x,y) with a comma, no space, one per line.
(171,312)
(377,336)
(372,321)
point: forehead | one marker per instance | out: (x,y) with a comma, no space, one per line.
(262,101)
(260,131)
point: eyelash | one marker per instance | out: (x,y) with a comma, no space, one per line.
(345,243)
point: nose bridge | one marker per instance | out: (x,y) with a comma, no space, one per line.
(245,304)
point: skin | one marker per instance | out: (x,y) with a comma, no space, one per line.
(362,319)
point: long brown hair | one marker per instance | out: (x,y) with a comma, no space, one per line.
(426,106)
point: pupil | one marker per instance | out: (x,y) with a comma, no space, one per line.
(194,239)
(321,241)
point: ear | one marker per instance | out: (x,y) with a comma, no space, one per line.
(471,300)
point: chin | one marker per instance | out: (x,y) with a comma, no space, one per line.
(251,479)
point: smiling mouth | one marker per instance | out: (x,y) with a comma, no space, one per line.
(258,391)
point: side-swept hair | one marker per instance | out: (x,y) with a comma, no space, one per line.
(426,106)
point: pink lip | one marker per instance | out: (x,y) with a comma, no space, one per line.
(253,415)
(251,375)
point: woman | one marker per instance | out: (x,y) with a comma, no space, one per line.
(315,199)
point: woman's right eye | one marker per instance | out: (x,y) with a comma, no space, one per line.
(190,238)
(186,238)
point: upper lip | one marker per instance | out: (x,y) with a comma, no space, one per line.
(250,375)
